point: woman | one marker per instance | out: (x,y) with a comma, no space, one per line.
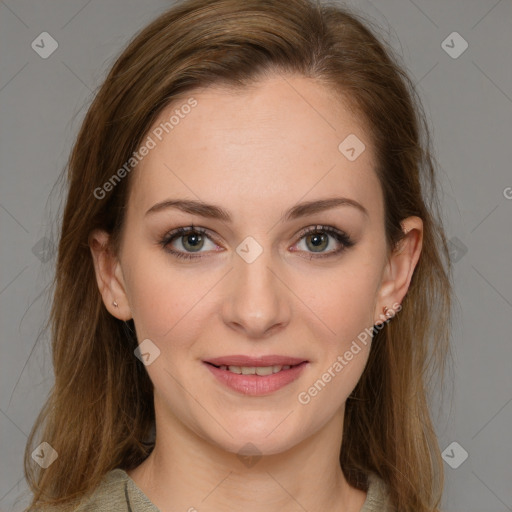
(252,288)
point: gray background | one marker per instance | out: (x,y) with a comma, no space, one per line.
(468,100)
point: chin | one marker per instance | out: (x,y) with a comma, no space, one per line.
(258,439)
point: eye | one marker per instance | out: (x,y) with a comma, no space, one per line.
(318,238)
(192,239)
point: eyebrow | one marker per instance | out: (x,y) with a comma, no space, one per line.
(212,211)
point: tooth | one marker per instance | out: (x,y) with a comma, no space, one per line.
(255,370)
(264,370)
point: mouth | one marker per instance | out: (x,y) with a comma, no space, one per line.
(262,371)
(256,376)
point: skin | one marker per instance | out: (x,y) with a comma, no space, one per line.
(256,152)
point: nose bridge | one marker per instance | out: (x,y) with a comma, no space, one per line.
(257,301)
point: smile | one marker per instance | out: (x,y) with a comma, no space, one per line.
(256,380)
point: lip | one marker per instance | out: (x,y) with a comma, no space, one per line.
(256,385)
(266,360)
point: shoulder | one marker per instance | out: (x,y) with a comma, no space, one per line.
(116,493)
(377,497)
(109,495)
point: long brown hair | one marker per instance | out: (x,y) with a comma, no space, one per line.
(100,412)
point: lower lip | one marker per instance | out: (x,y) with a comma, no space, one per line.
(257,385)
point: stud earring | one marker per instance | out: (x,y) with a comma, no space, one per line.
(385,310)
(115,304)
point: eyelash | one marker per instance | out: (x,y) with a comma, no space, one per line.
(340,236)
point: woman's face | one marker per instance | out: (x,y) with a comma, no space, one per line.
(256,286)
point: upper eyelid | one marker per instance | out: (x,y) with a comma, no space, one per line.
(184,230)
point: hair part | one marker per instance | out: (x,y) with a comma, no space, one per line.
(100,413)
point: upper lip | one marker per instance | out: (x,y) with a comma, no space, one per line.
(267,360)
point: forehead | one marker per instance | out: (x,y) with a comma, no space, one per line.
(273,142)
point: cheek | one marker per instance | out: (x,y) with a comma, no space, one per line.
(343,316)
(163,298)
(340,301)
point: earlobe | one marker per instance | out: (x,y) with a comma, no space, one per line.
(109,276)
(401,265)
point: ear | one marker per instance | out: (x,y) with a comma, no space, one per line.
(109,275)
(399,269)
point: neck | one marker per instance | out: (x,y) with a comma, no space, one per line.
(186,472)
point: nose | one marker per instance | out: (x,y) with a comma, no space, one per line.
(257,303)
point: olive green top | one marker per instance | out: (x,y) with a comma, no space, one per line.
(119,493)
